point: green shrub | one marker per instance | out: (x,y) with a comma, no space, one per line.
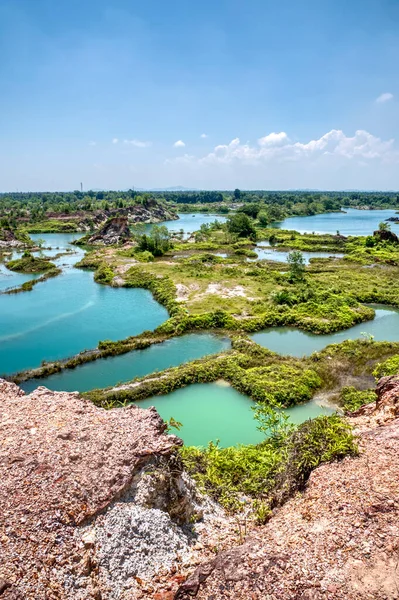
(30,264)
(351,399)
(269,472)
(104,274)
(388,367)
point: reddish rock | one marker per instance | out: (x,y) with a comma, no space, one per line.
(62,462)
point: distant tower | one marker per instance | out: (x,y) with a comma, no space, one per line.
(81,187)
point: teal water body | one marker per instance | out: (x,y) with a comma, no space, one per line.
(11,279)
(214,411)
(294,342)
(190,222)
(110,371)
(59,242)
(68,314)
(352,222)
(282,255)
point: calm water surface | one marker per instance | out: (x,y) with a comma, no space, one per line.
(68,314)
(210,411)
(190,222)
(353,222)
(292,341)
(11,279)
(110,371)
(281,255)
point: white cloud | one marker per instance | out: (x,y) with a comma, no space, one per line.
(273,139)
(115,141)
(278,147)
(138,143)
(384,98)
(92,143)
(203,135)
(179,144)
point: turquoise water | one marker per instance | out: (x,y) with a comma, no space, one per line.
(190,222)
(211,411)
(11,279)
(59,242)
(353,222)
(292,341)
(68,314)
(110,371)
(281,256)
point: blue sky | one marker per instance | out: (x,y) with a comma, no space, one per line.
(211,94)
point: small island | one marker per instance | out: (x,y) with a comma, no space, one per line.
(30,264)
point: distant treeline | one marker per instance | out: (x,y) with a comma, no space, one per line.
(36,206)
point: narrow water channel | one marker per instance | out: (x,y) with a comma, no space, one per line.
(295,342)
(282,255)
(106,372)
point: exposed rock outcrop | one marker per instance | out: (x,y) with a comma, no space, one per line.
(151,212)
(94,506)
(115,231)
(8,239)
(386,236)
(339,540)
(91,501)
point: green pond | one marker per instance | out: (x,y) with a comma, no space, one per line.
(216,411)
(294,342)
(70,313)
(109,371)
(352,222)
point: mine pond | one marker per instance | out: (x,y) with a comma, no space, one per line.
(71,313)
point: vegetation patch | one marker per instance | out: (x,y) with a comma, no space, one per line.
(29,285)
(52,226)
(387,367)
(267,474)
(30,264)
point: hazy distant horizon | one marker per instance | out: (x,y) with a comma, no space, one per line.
(184,189)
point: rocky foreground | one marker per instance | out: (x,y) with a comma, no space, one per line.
(94,505)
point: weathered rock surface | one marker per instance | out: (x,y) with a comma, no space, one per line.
(386,236)
(151,212)
(115,231)
(8,239)
(93,506)
(77,495)
(338,540)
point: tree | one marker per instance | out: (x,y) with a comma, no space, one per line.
(297,265)
(276,213)
(157,241)
(384,226)
(241,225)
(251,209)
(263,218)
(237,194)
